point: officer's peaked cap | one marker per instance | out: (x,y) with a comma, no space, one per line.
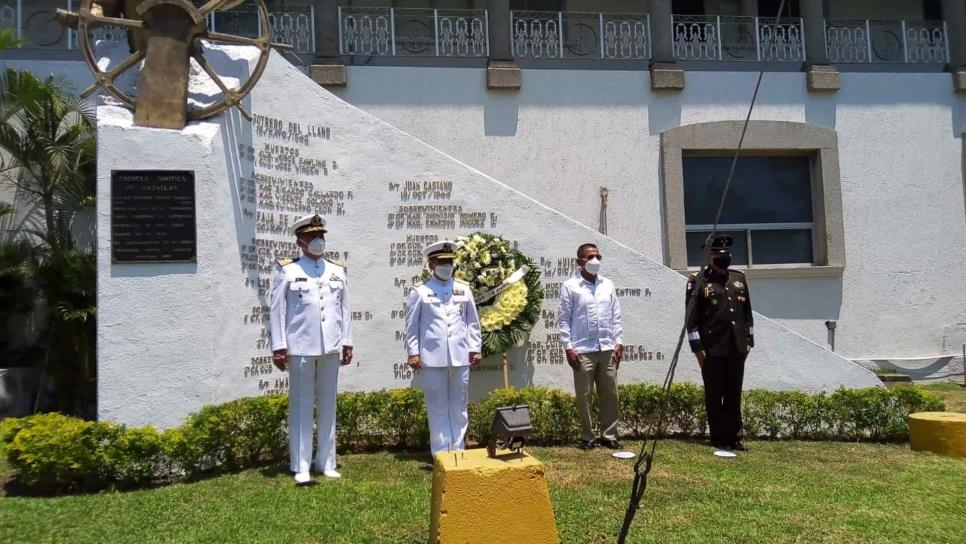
(722,244)
(309,223)
(444,249)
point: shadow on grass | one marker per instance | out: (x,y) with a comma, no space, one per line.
(424,459)
(13,487)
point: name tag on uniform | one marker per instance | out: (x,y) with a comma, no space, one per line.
(295,286)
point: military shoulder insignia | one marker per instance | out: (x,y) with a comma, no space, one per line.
(335,262)
(739,285)
(285,262)
(459,292)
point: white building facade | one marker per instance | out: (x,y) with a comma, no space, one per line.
(849,203)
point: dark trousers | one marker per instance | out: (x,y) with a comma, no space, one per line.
(722,376)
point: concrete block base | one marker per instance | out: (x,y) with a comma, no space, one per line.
(329,75)
(939,432)
(503,74)
(822,78)
(506,499)
(959,79)
(667,77)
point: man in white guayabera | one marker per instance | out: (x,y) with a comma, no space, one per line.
(592,338)
(311,336)
(443,341)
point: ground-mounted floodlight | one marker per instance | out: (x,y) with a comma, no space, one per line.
(511,425)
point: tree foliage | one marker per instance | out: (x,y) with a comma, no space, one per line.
(47,267)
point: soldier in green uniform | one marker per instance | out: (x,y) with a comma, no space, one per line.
(721,333)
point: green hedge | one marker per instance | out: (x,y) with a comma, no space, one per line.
(53,452)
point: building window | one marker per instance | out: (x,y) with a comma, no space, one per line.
(768,210)
(784,207)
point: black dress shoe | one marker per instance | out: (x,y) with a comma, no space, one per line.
(586,445)
(738,446)
(610,444)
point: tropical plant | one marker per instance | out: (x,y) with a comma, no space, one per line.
(9,39)
(48,139)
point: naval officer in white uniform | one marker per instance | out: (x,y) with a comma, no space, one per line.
(311,332)
(443,341)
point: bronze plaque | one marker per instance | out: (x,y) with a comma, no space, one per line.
(153,216)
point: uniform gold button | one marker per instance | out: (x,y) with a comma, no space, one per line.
(732,309)
(732,322)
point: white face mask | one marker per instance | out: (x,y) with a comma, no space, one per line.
(316,247)
(444,271)
(592,266)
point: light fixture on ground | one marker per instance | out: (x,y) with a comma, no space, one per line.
(511,425)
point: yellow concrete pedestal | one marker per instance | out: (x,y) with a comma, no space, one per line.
(938,432)
(497,501)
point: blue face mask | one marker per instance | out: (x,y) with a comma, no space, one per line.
(444,271)
(316,247)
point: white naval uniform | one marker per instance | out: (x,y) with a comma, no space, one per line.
(310,318)
(443,328)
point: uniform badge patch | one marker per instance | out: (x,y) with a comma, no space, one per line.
(458,292)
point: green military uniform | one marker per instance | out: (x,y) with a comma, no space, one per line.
(721,325)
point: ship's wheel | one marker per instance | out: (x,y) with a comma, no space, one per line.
(171,32)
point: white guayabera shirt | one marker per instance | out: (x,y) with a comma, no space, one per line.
(590,315)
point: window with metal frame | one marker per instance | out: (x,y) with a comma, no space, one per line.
(768,211)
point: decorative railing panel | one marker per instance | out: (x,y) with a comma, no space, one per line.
(782,42)
(413,32)
(868,41)
(291,25)
(726,38)
(36,24)
(554,34)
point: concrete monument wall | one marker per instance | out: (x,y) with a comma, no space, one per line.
(174,337)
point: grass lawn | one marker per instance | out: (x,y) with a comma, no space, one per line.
(778,492)
(952,394)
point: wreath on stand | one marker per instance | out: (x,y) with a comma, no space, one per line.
(506,287)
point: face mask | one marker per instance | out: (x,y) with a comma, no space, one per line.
(722,262)
(316,246)
(444,271)
(592,266)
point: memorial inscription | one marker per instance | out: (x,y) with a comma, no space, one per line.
(153,216)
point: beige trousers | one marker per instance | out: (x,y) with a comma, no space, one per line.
(597,368)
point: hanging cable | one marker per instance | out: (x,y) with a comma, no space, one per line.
(645,460)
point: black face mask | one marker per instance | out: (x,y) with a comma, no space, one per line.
(722,262)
